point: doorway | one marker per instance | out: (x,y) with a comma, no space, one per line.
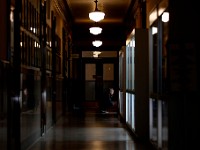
(98,76)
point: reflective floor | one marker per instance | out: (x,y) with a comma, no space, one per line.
(89,131)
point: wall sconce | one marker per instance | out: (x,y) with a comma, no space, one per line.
(165,17)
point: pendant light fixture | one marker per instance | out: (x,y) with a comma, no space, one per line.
(95,30)
(96,53)
(97,43)
(96,15)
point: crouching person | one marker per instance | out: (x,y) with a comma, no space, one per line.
(107,101)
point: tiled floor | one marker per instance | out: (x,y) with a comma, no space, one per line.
(88,131)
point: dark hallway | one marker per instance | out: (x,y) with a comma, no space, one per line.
(52,72)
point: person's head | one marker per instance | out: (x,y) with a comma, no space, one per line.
(111,91)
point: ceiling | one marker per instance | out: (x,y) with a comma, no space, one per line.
(115,24)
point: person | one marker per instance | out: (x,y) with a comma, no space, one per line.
(107,101)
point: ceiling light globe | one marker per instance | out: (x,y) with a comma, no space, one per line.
(95,30)
(96,16)
(97,43)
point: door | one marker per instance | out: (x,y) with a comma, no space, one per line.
(98,76)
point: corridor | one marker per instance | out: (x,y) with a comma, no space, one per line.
(89,131)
